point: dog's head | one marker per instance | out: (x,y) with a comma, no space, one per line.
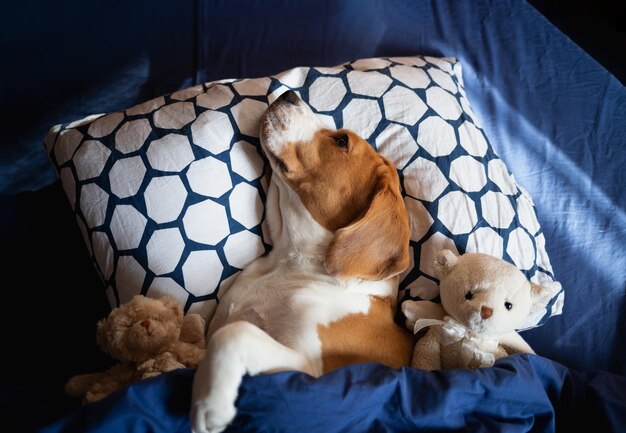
(346,186)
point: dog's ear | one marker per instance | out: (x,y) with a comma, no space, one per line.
(376,245)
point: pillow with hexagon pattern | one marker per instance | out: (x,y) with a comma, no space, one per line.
(169,194)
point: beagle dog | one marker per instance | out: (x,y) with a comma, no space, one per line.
(325,296)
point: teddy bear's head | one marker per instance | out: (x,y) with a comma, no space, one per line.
(141,328)
(486,294)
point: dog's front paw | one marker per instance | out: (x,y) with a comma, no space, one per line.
(207,417)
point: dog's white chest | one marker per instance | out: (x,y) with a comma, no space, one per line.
(291,303)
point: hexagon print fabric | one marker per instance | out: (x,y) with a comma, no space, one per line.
(170,194)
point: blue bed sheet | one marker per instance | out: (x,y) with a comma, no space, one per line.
(521,393)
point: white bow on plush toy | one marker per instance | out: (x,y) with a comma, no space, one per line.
(483,301)
(475,349)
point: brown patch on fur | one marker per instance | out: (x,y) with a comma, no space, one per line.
(355,193)
(371,337)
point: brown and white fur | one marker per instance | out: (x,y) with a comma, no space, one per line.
(325,296)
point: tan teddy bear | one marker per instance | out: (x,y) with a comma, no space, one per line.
(147,336)
(484,300)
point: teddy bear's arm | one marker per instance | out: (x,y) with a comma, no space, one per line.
(101,390)
(193,330)
(116,377)
(188,354)
(514,343)
(414,310)
(155,366)
(427,353)
(501,353)
(78,385)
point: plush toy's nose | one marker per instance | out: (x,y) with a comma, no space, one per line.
(486,312)
(146,323)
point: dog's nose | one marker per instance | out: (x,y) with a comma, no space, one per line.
(145,323)
(290,96)
(486,312)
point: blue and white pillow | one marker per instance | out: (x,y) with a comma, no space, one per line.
(169,194)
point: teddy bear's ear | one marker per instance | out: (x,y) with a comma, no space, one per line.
(540,296)
(173,304)
(444,262)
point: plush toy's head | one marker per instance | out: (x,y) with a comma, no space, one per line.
(486,294)
(141,328)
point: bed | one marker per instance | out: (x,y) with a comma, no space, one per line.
(554,115)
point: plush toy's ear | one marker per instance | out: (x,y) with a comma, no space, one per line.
(540,296)
(175,307)
(172,303)
(376,246)
(445,261)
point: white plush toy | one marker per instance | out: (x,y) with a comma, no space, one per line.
(483,301)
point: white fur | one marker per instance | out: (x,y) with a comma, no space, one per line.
(267,321)
(288,123)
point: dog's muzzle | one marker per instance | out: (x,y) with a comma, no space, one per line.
(287,120)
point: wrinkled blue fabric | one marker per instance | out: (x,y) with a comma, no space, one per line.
(521,393)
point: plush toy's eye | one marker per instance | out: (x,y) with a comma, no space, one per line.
(508,305)
(469,296)
(341,141)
